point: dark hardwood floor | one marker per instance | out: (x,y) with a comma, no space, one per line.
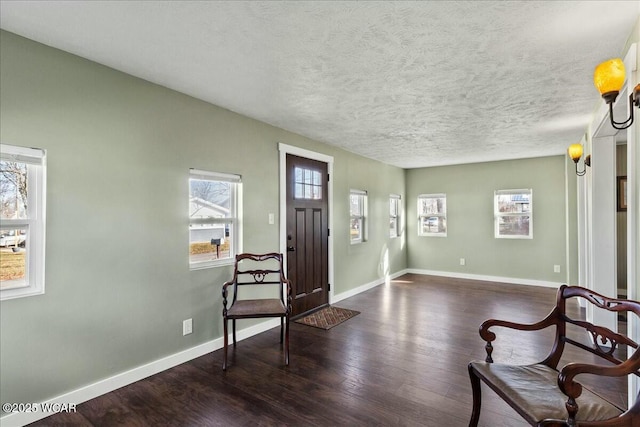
(402,361)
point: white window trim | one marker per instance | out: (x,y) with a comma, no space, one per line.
(397,198)
(498,215)
(365,207)
(236,202)
(35,255)
(439,215)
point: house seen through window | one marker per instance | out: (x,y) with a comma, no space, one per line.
(22,221)
(214,226)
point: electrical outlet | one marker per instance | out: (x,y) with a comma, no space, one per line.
(272,219)
(556,268)
(462,261)
(187,326)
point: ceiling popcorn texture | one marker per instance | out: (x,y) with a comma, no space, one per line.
(411,84)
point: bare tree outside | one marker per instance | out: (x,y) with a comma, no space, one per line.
(212,191)
(13,189)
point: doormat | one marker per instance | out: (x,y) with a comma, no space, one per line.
(327,317)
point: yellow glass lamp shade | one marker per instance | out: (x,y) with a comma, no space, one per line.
(609,78)
(575,152)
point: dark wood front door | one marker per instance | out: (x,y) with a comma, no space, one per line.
(307,233)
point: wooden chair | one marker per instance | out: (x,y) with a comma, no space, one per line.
(254,272)
(548,393)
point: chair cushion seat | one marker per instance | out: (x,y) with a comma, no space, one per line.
(534,389)
(271,307)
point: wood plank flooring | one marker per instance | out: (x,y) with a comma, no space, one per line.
(401,362)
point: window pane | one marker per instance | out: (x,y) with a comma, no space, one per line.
(316,195)
(13,258)
(513,225)
(209,199)
(355,204)
(393,227)
(209,242)
(433,224)
(308,184)
(433,205)
(13,190)
(514,203)
(356,229)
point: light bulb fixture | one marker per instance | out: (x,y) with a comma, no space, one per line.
(608,79)
(575,152)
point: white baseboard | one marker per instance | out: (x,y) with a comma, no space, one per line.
(365,287)
(513,280)
(115,382)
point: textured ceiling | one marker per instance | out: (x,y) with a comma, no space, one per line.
(411,84)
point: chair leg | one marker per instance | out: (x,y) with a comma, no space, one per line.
(286,341)
(226,344)
(281,328)
(233,322)
(477,397)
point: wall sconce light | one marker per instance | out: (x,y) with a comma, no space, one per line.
(609,78)
(575,152)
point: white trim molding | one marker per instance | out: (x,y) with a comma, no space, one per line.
(512,280)
(366,286)
(285,149)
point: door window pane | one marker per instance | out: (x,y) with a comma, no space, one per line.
(307,184)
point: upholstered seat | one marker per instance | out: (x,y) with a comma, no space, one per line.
(533,389)
(257,308)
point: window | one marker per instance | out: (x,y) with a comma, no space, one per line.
(358,210)
(308,184)
(394,216)
(22,221)
(512,211)
(214,218)
(432,215)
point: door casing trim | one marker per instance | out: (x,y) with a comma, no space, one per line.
(285,149)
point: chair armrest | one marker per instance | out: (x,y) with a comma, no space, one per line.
(573,389)
(488,336)
(224,294)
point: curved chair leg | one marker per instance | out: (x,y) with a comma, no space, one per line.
(226,344)
(477,397)
(281,328)
(286,341)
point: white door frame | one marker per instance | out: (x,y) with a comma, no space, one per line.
(599,126)
(285,149)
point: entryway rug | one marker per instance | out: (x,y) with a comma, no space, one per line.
(328,317)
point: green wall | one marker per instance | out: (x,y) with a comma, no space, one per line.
(118,284)
(470,221)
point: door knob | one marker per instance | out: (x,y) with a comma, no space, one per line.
(291,249)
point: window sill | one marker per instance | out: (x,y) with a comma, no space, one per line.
(20,292)
(211,264)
